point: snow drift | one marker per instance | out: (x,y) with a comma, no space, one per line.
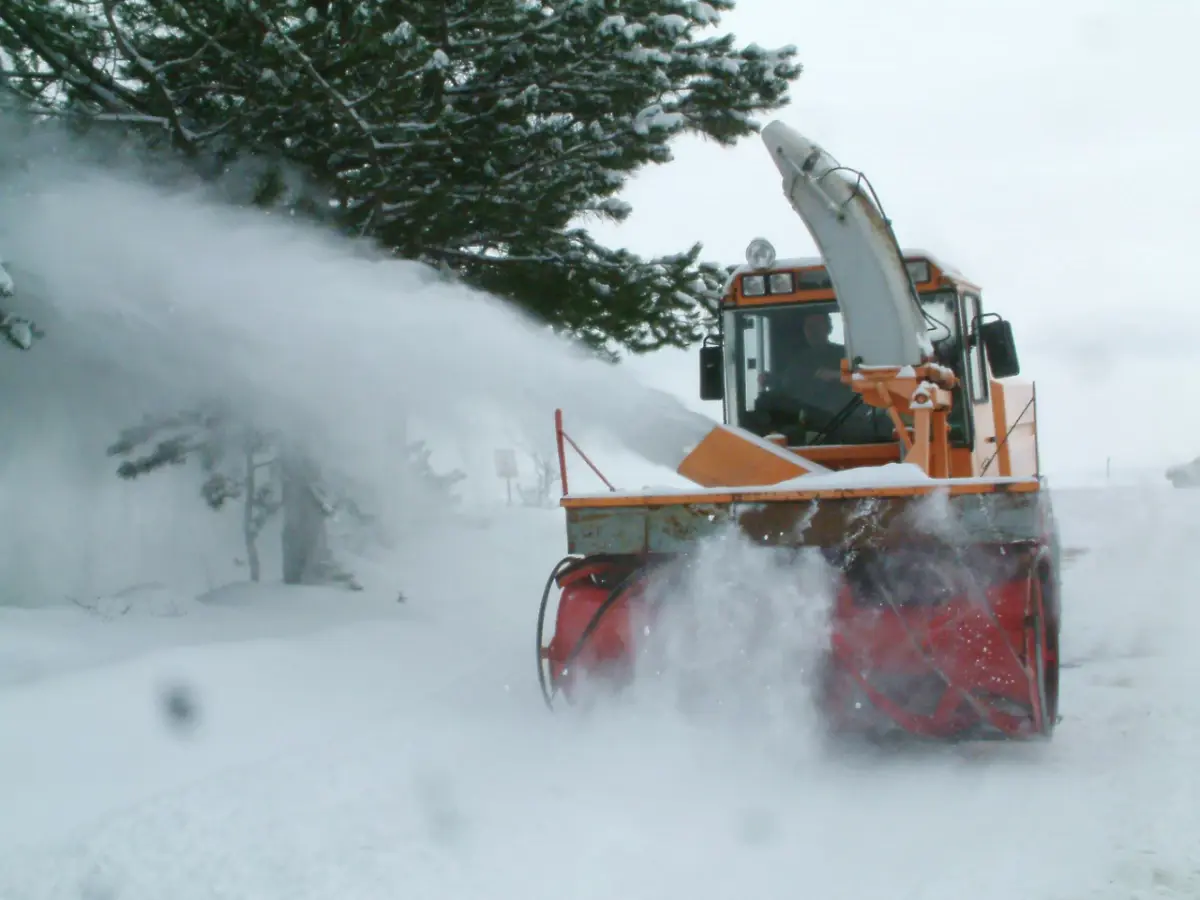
(346,748)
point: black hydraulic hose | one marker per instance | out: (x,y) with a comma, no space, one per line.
(564,565)
(602,610)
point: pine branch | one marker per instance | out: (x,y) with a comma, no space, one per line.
(185,139)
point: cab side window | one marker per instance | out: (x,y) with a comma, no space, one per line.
(755,337)
(976,366)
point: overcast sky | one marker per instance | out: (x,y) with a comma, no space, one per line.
(1048,150)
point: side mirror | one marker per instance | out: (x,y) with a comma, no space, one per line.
(712,371)
(1001,350)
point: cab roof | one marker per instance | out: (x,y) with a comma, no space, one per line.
(910,254)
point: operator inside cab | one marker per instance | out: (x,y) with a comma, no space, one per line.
(804,393)
(815,361)
(807,374)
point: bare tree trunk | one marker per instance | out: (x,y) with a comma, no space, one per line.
(305,543)
(248,532)
(546,475)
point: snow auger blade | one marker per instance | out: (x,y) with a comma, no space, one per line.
(949,631)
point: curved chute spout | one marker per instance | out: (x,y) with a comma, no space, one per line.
(882,318)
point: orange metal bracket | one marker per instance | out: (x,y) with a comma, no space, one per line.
(562,438)
(921,393)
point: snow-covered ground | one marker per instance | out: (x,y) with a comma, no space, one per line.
(352,746)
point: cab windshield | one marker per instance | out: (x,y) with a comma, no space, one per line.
(789,373)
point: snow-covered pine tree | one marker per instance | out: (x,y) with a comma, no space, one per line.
(269,475)
(529,116)
(238,463)
(59,58)
(472,134)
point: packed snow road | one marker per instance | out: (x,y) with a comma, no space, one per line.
(353,747)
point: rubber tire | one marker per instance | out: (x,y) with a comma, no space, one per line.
(1045,636)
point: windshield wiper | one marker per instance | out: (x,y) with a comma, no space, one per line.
(839,419)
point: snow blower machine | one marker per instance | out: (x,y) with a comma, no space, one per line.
(858,388)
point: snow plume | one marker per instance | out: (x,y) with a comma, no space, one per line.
(738,639)
(155,296)
(206,298)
